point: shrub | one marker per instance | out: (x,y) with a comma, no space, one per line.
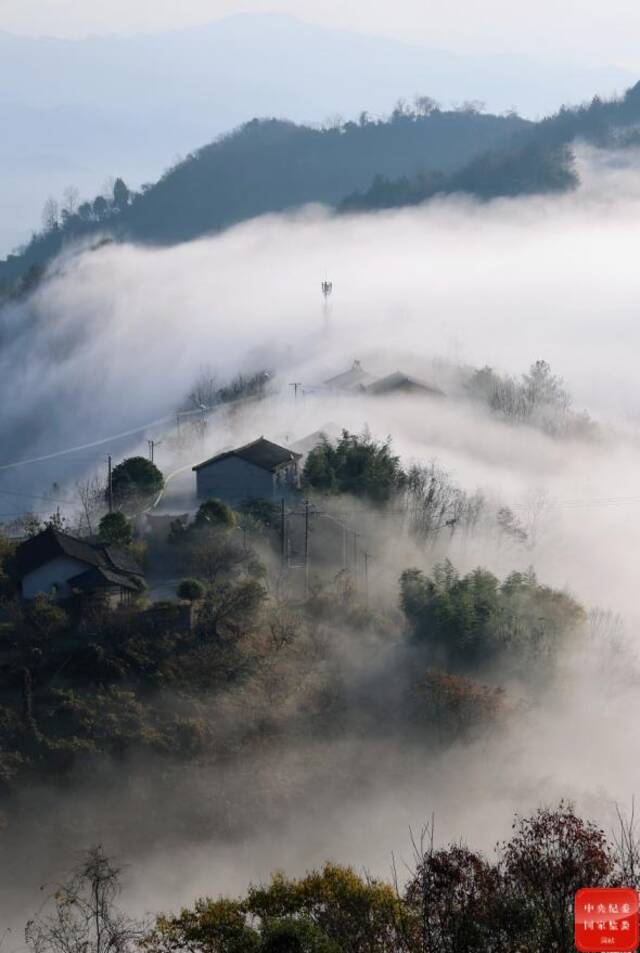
(471,621)
(135,477)
(191,590)
(215,514)
(115,529)
(356,464)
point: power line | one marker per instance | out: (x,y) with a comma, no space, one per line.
(595,501)
(33,496)
(95,443)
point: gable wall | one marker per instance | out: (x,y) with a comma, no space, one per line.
(233,480)
(56,572)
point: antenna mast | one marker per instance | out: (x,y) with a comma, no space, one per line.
(327,289)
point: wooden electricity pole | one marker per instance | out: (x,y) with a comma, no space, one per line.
(367,557)
(308,512)
(306,547)
(152,446)
(356,537)
(110,484)
(283,535)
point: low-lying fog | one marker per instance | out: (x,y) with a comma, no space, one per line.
(116,336)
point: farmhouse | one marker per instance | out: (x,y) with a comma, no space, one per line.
(59,565)
(358,381)
(355,378)
(400,383)
(259,470)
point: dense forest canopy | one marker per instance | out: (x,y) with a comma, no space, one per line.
(270,165)
(540,160)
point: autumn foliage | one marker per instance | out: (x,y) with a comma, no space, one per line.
(455,900)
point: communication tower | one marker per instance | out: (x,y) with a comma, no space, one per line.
(327,289)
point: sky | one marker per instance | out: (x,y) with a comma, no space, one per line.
(586,31)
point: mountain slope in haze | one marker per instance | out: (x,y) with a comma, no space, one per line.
(272,165)
(538,161)
(77,110)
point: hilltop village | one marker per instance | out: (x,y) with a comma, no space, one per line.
(112,561)
(193,620)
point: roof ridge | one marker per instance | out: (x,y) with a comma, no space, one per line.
(60,532)
(252,443)
(247,447)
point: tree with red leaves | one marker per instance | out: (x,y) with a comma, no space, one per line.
(549,857)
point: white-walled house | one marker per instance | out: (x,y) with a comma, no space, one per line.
(59,565)
(259,470)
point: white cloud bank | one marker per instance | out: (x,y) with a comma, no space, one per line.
(118,335)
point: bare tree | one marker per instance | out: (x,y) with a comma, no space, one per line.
(70,200)
(335,122)
(402,109)
(81,916)
(433,503)
(473,106)
(28,525)
(537,505)
(204,390)
(510,526)
(91,493)
(50,215)
(213,556)
(627,847)
(230,608)
(284,624)
(425,105)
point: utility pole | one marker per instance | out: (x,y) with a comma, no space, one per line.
(327,288)
(308,511)
(202,423)
(356,537)
(306,547)
(152,446)
(110,484)
(295,385)
(367,556)
(283,535)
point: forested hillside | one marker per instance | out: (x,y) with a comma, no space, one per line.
(267,166)
(81,684)
(271,165)
(539,161)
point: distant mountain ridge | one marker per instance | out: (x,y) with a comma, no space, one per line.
(76,111)
(538,160)
(273,165)
(269,166)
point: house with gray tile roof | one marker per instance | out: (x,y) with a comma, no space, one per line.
(258,470)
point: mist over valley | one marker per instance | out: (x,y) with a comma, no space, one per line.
(397,593)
